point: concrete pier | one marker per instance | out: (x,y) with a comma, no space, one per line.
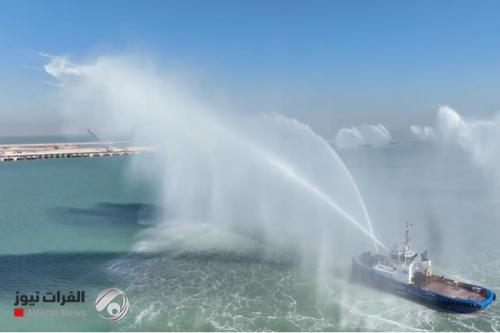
(37,151)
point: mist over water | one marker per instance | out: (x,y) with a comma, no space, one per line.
(259,209)
(478,138)
(265,177)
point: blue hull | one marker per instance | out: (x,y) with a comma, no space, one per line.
(369,275)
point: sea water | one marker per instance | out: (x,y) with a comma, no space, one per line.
(74,224)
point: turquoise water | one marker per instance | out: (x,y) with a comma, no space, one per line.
(62,223)
(72,224)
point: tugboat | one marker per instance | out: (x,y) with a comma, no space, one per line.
(409,274)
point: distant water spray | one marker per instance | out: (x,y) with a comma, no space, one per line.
(480,138)
(366,135)
(221,168)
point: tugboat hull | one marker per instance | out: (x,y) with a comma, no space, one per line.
(439,292)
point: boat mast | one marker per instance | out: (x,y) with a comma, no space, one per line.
(407,236)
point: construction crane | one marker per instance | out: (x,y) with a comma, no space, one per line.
(108,148)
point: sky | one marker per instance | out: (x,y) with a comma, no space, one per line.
(328,63)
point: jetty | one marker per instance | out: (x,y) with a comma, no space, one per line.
(39,151)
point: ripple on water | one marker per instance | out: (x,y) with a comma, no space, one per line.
(224,292)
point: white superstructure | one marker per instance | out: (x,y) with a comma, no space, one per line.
(403,265)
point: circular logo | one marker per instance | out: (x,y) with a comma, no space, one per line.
(111,304)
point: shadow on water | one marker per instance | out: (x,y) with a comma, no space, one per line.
(119,213)
(40,271)
(60,270)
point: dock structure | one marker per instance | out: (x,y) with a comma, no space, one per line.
(38,151)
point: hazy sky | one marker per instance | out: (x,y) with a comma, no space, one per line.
(328,63)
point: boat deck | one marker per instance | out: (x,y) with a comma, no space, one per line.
(449,289)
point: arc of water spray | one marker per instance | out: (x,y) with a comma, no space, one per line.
(356,132)
(289,172)
(363,207)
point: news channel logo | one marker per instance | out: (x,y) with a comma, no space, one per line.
(112,304)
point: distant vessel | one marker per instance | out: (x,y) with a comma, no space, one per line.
(409,274)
